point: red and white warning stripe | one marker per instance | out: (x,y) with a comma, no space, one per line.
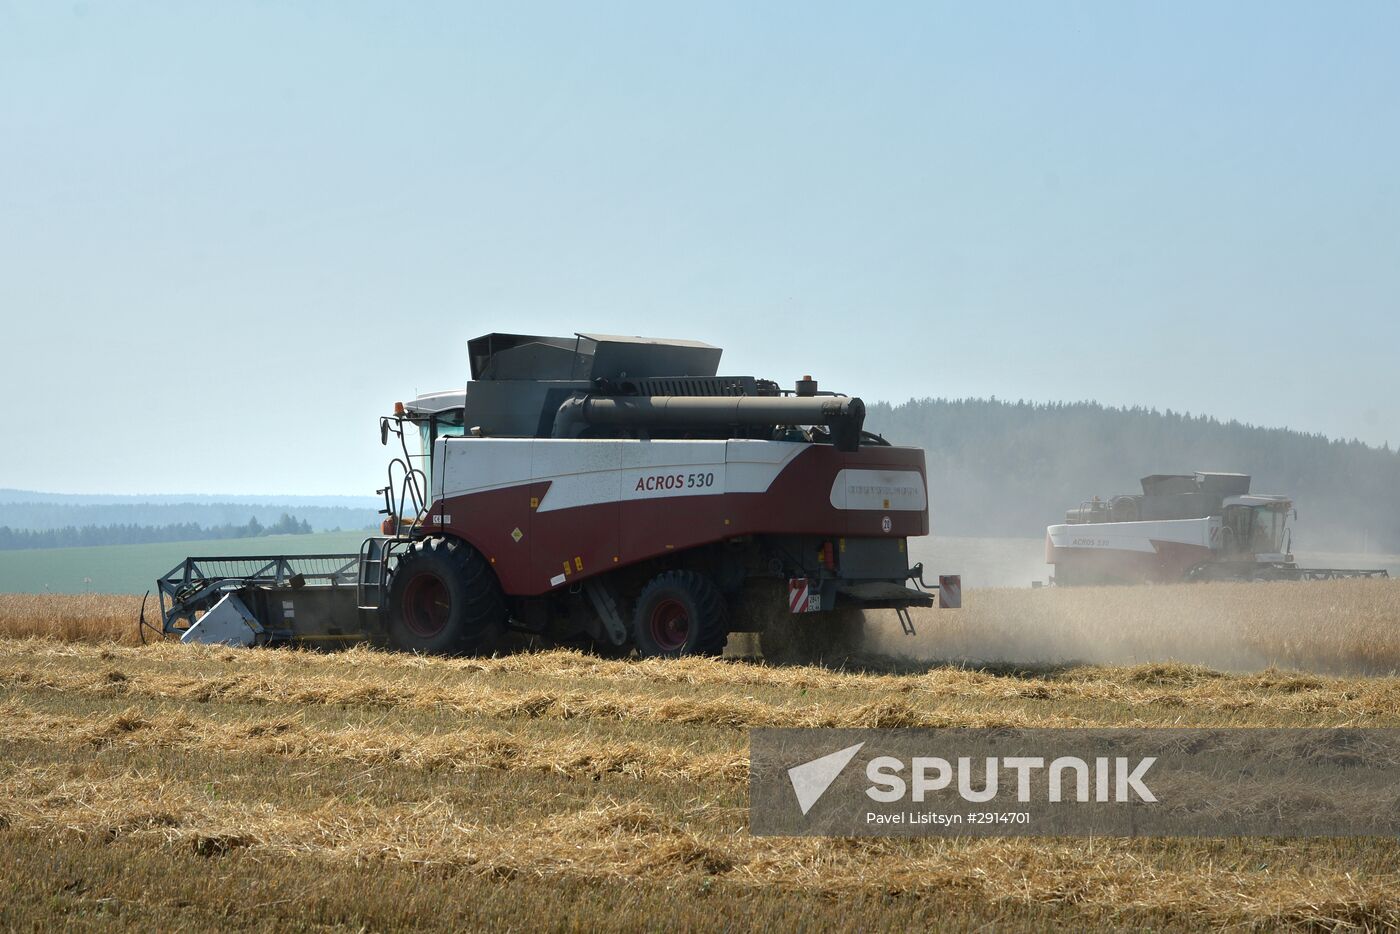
(949,591)
(797,595)
(801,599)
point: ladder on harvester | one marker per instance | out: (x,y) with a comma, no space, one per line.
(374,557)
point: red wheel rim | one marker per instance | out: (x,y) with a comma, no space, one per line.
(427,605)
(669,625)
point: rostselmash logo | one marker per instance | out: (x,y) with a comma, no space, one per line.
(1062,779)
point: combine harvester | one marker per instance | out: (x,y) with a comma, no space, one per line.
(1193,527)
(607,490)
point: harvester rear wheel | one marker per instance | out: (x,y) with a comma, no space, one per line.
(680,613)
(444,600)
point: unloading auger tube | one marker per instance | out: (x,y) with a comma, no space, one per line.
(843,415)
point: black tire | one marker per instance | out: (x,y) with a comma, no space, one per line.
(680,613)
(444,599)
(810,639)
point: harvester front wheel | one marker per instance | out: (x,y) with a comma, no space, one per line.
(680,613)
(444,599)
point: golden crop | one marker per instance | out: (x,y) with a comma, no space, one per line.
(1337,627)
(74,618)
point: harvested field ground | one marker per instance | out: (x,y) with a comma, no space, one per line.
(170,786)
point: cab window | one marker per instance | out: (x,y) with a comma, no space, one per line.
(443,425)
(1267,535)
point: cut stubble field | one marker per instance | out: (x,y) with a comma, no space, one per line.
(178,786)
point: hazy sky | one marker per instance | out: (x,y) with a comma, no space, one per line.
(233,234)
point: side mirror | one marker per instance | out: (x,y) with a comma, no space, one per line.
(383,431)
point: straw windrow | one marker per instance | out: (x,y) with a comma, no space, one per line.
(621,779)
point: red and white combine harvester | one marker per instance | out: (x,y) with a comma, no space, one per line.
(608,490)
(1201,526)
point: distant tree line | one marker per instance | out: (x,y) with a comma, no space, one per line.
(80,536)
(31,513)
(998,468)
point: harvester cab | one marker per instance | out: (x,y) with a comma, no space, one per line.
(618,492)
(414,428)
(1255,528)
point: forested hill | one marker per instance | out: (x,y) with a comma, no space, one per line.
(1010,468)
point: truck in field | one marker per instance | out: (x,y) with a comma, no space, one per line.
(613,491)
(1181,527)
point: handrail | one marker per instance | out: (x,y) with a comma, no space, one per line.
(411,484)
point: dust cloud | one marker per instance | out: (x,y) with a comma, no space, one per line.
(1348,627)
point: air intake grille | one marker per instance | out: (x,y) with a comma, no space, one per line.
(690,386)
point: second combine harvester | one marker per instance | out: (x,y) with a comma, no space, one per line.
(1182,527)
(610,489)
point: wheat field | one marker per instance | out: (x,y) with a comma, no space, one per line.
(194,787)
(1329,627)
